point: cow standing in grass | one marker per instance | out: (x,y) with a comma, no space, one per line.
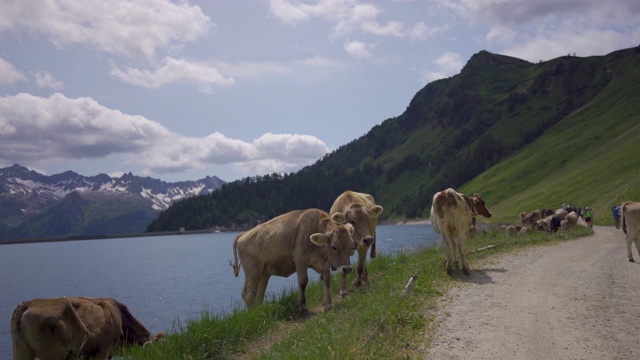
(451,216)
(359,210)
(291,243)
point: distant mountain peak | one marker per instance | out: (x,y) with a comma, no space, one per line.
(25,194)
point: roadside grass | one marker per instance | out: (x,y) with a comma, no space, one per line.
(378,320)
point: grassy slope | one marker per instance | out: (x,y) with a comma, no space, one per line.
(588,159)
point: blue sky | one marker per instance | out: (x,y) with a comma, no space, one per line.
(179,90)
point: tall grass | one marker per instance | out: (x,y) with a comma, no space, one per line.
(377,320)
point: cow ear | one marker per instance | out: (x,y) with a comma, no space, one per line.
(375,211)
(349,228)
(318,239)
(339,218)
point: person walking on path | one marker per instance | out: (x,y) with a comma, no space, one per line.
(615,209)
(588,217)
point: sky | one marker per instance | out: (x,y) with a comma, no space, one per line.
(181,90)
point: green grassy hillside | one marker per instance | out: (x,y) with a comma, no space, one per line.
(590,158)
(524,135)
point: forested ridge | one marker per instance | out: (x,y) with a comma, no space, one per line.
(453,130)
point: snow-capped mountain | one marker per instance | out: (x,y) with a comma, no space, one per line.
(26,194)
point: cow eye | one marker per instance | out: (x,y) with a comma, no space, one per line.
(352,222)
(335,248)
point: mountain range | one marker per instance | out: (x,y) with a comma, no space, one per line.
(33,205)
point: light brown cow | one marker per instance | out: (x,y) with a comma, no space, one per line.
(570,221)
(359,210)
(291,243)
(530,218)
(631,225)
(451,217)
(68,328)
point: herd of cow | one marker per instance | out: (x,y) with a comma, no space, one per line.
(94,328)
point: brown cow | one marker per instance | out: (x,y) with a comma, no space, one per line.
(291,243)
(359,210)
(451,217)
(68,328)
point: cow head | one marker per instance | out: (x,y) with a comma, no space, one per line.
(480,207)
(339,244)
(364,221)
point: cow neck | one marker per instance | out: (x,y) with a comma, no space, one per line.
(471,204)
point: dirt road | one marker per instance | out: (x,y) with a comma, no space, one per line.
(574,300)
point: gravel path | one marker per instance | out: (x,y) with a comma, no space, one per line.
(574,300)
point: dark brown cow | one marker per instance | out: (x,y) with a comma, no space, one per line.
(68,328)
(359,210)
(451,217)
(291,243)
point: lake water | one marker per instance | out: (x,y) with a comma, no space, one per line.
(163,280)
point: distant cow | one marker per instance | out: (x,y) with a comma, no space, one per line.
(570,221)
(550,223)
(361,211)
(291,243)
(530,218)
(631,225)
(451,217)
(75,327)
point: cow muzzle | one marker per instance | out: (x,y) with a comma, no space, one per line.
(367,241)
(344,270)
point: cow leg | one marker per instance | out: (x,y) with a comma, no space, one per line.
(303,280)
(361,275)
(326,298)
(448,248)
(250,289)
(262,288)
(22,351)
(462,251)
(629,253)
(344,291)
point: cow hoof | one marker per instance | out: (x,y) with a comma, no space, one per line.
(343,294)
(466,271)
(449,272)
(357,282)
(304,313)
(631,260)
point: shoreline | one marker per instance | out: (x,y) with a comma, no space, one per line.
(167,233)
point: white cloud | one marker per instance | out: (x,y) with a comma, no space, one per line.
(358,49)
(135,28)
(448,64)
(45,80)
(347,16)
(8,73)
(174,71)
(38,130)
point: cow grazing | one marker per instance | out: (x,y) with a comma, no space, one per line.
(359,210)
(631,225)
(451,217)
(291,243)
(75,327)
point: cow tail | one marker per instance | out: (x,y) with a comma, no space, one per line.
(17,315)
(235,264)
(624,222)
